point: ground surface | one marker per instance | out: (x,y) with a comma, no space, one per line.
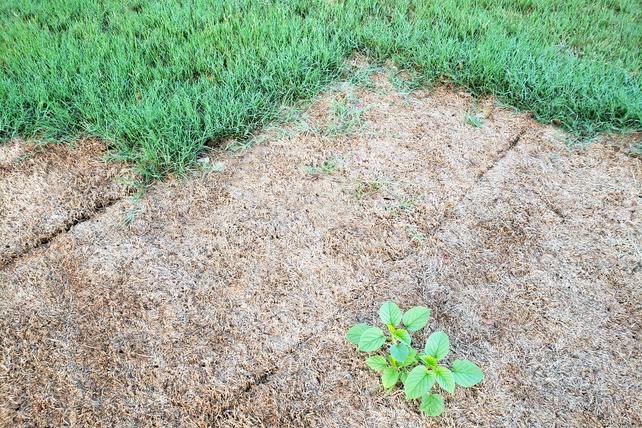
(223,299)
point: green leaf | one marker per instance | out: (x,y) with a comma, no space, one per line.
(377,362)
(418,382)
(355,332)
(371,339)
(466,373)
(416,318)
(432,405)
(389,377)
(428,360)
(403,336)
(445,378)
(403,377)
(390,313)
(400,352)
(411,359)
(438,345)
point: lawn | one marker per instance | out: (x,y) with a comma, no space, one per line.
(161,80)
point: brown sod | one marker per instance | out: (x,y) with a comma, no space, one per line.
(45,190)
(225,300)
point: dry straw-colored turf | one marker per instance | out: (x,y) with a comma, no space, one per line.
(44,190)
(226,299)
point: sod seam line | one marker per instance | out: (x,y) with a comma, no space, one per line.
(501,155)
(267,375)
(44,241)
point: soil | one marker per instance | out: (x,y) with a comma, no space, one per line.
(222,299)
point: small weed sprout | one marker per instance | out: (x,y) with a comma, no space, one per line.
(365,188)
(132,213)
(130,216)
(206,165)
(418,237)
(408,204)
(347,112)
(218,167)
(327,167)
(574,142)
(418,371)
(474,120)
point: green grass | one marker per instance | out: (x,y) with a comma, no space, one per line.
(366,187)
(346,115)
(327,167)
(474,119)
(160,80)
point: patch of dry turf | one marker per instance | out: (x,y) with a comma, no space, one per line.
(44,190)
(226,300)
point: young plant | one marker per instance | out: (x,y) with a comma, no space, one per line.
(328,167)
(347,112)
(418,371)
(368,187)
(474,120)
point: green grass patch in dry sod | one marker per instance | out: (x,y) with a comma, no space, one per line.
(160,80)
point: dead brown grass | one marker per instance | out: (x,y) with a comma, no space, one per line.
(225,302)
(44,190)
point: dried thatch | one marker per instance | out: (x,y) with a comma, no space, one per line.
(226,300)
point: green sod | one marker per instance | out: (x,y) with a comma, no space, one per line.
(162,79)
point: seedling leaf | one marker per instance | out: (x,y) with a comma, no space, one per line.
(445,378)
(438,345)
(466,373)
(371,339)
(418,382)
(411,359)
(416,318)
(390,313)
(432,405)
(389,377)
(403,336)
(428,360)
(355,332)
(377,362)
(400,352)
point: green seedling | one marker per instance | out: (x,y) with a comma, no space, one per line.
(346,112)
(267,134)
(474,120)
(574,142)
(365,188)
(418,237)
(417,371)
(130,216)
(218,167)
(132,213)
(408,204)
(327,167)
